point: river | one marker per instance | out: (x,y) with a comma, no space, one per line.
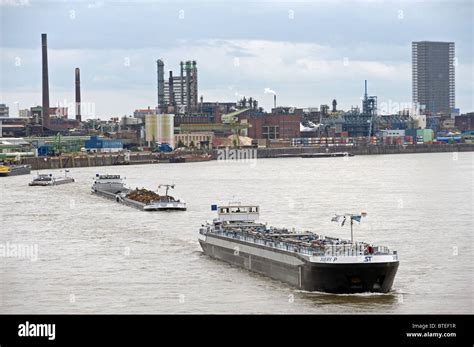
(92,255)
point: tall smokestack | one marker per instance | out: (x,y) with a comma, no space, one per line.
(182,83)
(171,89)
(78,95)
(161,85)
(45,84)
(274,100)
(194,86)
(188,86)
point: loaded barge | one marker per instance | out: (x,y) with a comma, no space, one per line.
(305,260)
(113,187)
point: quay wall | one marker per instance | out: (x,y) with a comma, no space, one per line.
(88,160)
(108,159)
(364,150)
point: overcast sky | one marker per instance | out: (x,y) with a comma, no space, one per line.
(309,52)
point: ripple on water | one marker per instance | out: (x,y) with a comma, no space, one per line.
(115,259)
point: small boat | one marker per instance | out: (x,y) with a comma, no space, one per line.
(14,170)
(50,180)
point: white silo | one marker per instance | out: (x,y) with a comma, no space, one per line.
(166,129)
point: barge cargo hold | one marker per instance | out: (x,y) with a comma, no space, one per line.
(113,187)
(306,260)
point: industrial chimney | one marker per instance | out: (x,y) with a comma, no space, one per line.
(188,68)
(194,86)
(171,89)
(78,95)
(45,82)
(161,84)
(182,83)
(274,100)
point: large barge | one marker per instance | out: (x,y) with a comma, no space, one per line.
(305,260)
(113,187)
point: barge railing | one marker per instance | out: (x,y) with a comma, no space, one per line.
(328,250)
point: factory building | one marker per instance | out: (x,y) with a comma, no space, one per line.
(271,126)
(465,121)
(141,113)
(195,118)
(4,110)
(25,113)
(180,92)
(99,144)
(199,140)
(13,127)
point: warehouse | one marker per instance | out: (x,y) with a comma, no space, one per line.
(99,144)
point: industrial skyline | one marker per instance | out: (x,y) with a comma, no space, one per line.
(304,69)
(179,92)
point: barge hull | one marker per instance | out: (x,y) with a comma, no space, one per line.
(277,270)
(305,275)
(116,198)
(349,278)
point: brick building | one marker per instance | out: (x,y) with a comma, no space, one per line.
(272,125)
(464,122)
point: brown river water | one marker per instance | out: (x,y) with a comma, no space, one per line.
(91,255)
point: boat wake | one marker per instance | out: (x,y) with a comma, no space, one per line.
(392,293)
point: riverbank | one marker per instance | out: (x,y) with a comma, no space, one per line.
(363,150)
(75,160)
(110,159)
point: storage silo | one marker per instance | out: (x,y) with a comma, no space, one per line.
(151,128)
(166,129)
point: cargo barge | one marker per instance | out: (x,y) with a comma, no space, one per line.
(50,180)
(326,155)
(305,260)
(14,170)
(113,187)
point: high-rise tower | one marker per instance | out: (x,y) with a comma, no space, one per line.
(433,78)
